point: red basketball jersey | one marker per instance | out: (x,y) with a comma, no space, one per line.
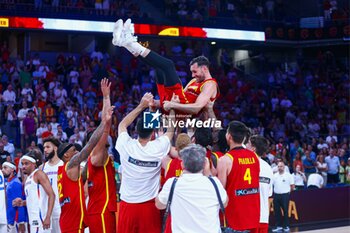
(174,169)
(243,210)
(195,88)
(102,188)
(72,201)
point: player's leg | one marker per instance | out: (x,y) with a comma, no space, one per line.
(123,37)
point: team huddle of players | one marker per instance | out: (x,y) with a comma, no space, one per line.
(54,191)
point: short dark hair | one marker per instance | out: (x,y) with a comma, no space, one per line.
(53,140)
(201,61)
(222,143)
(203,137)
(193,158)
(260,143)
(238,131)
(143,133)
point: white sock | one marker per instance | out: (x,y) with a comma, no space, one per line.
(135,48)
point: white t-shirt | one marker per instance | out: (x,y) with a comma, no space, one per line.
(51,172)
(298,179)
(141,167)
(3,217)
(21,115)
(265,184)
(315,179)
(282,182)
(9,96)
(195,206)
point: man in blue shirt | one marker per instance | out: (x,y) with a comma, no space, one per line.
(16,216)
(333,164)
(309,164)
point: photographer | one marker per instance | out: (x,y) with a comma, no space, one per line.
(195,206)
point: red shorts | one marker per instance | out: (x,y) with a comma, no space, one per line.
(166,93)
(263,228)
(102,223)
(168,225)
(139,217)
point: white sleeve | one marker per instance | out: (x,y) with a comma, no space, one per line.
(164,144)
(122,140)
(164,194)
(291,179)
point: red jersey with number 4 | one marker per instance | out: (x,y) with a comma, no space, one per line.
(72,201)
(195,88)
(102,188)
(243,210)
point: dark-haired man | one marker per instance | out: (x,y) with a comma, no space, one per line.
(70,184)
(141,161)
(260,146)
(50,167)
(198,92)
(238,171)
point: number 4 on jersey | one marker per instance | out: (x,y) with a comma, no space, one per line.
(247,176)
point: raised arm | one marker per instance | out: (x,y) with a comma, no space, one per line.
(146,100)
(99,155)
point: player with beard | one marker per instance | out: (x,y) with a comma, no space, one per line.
(50,167)
(192,99)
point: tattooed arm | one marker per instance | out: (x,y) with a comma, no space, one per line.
(99,155)
(73,167)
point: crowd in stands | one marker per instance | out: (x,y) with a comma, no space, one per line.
(195,12)
(243,12)
(302,108)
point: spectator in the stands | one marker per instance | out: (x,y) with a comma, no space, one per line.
(8,146)
(309,164)
(333,164)
(322,167)
(9,96)
(299,178)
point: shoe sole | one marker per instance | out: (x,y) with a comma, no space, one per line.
(117,32)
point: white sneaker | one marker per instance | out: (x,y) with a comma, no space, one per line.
(277,229)
(128,27)
(117,32)
(286,229)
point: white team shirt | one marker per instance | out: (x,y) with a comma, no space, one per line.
(37,201)
(265,185)
(194,193)
(51,172)
(282,183)
(141,167)
(3,217)
(315,179)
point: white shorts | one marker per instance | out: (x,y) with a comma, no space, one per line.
(39,230)
(3,227)
(55,225)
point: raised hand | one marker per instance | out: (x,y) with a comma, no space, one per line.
(109,114)
(105,87)
(146,100)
